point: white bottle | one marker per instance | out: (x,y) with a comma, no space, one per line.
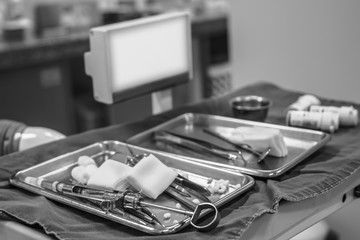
(324,121)
(348,115)
(304,102)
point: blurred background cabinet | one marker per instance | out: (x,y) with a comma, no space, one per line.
(39,95)
(42,76)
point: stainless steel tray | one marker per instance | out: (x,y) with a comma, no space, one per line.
(300,143)
(59,169)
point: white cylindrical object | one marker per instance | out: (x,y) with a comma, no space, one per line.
(34,136)
(348,115)
(325,121)
(304,102)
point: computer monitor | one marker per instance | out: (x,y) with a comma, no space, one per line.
(136,57)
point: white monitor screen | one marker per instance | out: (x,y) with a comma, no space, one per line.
(140,56)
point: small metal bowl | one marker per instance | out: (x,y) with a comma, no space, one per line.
(250,107)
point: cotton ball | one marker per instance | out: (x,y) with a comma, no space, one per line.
(90,169)
(86,160)
(167,216)
(80,174)
(220,186)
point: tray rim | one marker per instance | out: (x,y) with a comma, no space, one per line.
(325,138)
(16,181)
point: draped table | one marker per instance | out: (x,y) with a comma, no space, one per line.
(273,208)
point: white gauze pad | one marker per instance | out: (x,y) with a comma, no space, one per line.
(151,176)
(110,175)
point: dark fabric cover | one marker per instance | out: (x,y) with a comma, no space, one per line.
(317,174)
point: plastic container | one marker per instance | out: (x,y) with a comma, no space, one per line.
(324,121)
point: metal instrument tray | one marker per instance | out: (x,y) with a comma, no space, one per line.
(59,169)
(300,143)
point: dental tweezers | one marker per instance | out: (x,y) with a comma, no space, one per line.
(261,155)
(199,145)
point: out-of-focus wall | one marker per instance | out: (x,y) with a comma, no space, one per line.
(311,46)
(308,45)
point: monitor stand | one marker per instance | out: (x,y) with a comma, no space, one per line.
(140,107)
(162,101)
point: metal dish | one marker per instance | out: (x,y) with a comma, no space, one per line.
(250,107)
(301,143)
(59,169)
